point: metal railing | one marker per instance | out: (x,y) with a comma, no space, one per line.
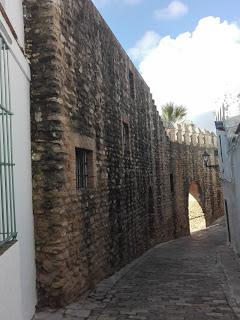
(7,201)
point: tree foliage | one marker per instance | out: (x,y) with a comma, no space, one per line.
(172,114)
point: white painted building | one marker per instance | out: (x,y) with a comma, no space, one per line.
(17,260)
(228,132)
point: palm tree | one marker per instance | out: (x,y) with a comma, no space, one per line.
(172,114)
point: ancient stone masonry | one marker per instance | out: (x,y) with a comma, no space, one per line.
(107,181)
(188,143)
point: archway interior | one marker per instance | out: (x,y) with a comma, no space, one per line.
(197,219)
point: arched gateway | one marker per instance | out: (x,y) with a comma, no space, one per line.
(197,220)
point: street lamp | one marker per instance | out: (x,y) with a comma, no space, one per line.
(206,157)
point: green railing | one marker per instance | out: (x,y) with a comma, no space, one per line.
(7,203)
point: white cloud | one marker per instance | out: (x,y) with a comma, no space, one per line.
(144,46)
(174,10)
(195,69)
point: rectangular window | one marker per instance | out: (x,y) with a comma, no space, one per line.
(84,169)
(131,84)
(172,182)
(7,203)
(125,138)
(81,169)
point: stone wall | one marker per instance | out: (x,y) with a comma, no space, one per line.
(85,93)
(187,167)
(188,143)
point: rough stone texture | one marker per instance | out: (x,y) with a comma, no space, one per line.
(188,170)
(179,280)
(81,95)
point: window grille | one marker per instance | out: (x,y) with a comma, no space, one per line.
(172,182)
(7,202)
(81,169)
(125,134)
(131,84)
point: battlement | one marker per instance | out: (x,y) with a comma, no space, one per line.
(191,135)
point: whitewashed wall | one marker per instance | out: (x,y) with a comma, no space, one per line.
(229,160)
(14,11)
(10,285)
(231,194)
(234,193)
(17,264)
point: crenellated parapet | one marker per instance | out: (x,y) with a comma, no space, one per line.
(189,134)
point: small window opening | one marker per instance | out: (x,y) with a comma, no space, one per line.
(84,168)
(131,84)
(219,198)
(172,183)
(125,138)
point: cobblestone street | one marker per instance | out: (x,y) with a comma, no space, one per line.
(180,280)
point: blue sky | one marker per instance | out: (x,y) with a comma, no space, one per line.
(188,51)
(129,22)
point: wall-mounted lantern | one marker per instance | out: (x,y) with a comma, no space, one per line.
(206,157)
(219,125)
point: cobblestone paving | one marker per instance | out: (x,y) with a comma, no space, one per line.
(180,280)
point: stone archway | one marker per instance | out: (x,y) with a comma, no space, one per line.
(197,220)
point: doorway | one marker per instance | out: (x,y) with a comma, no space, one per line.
(196,214)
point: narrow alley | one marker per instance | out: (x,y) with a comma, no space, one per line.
(180,280)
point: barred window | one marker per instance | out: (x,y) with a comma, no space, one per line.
(125,136)
(84,169)
(131,84)
(81,168)
(172,182)
(7,203)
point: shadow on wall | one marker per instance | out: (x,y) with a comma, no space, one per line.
(197,219)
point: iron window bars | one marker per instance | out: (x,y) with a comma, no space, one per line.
(125,136)
(131,84)
(81,169)
(7,202)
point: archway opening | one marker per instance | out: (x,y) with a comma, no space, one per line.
(197,219)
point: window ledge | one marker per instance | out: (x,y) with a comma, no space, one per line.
(6,246)
(87,190)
